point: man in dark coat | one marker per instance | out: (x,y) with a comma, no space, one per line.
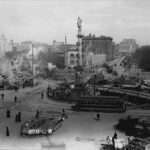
(15,99)
(19,116)
(37,114)
(2,96)
(7,131)
(98,116)
(8,113)
(42,95)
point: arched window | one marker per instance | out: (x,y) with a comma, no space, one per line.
(72,56)
(77,55)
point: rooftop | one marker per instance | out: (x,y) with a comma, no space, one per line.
(102,37)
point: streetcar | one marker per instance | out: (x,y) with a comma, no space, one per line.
(100,104)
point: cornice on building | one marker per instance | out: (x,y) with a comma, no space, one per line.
(90,37)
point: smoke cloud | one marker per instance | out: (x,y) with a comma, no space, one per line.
(5,68)
(51,66)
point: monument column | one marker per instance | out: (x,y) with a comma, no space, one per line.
(79,44)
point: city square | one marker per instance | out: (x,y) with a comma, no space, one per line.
(74,75)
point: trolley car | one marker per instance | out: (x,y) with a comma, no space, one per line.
(100,103)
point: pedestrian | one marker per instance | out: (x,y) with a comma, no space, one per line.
(98,116)
(115,135)
(15,99)
(17,88)
(42,94)
(2,96)
(63,110)
(129,140)
(108,140)
(113,142)
(63,113)
(8,113)
(113,139)
(37,114)
(7,131)
(19,116)
(48,88)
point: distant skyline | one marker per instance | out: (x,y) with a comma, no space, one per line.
(45,21)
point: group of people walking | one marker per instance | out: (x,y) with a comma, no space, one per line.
(17,119)
(15,97)
(8,112)
(112,140)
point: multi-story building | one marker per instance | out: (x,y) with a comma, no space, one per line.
(128,46)
(71,57)
(5,45)
(92,60)
(56,43)
(98,45)
(95,51)
(116,50)
(95,60)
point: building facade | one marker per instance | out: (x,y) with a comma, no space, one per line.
(56,43)
(91,59)
(5,46)
(128,46)
(71,57)
(93,62)
(98,45)
(116,50)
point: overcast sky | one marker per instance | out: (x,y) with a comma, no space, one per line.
(45,21)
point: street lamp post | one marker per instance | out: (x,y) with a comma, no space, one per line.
(32,66)
(94,84)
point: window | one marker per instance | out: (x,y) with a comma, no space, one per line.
(71,62)
(72,56)
(76,61)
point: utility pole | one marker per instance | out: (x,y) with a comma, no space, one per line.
(94,84)
(12,45)
(65,53)
(32,67)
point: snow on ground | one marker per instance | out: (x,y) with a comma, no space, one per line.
(79,132)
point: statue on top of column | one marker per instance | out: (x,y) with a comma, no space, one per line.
(79,23)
